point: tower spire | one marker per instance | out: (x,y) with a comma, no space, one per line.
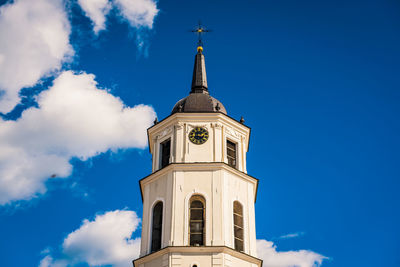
(199,99)
(199,80)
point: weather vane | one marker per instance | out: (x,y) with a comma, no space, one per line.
(199,30)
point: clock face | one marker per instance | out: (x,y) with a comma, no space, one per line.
(198,136)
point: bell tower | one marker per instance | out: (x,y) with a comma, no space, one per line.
(198,202)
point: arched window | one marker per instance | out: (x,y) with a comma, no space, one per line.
(197,221)
(156,227)
(238,225)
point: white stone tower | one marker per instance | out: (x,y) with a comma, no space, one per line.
(198,203)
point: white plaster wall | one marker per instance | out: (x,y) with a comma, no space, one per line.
(220,189)
(199,153)
(237,189)
(159,190)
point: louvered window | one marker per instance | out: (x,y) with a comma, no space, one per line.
(231,153)
(197,221)
(238,225)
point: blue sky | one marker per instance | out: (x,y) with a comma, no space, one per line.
(317,82)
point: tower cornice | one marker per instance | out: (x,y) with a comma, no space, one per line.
(198,166)
(198,251)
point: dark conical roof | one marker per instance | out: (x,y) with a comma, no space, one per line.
(199,99)
(199,80)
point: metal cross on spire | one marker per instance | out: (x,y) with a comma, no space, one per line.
(199,30)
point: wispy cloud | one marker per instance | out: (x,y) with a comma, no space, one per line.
(96,10)
(138,13)
(292,235)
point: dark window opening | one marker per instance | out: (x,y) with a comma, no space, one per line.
(196,221)
(231,153)
(157,227)
(165,152)
(238,225)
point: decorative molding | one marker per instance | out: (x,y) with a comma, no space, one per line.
(217,259)
(164,133)
(228,260)
(179,125)
(232,132)
(165,260)
(217,125)
(198,125)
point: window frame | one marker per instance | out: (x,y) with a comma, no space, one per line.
(236,152)
(203,201)
(150,243)
(234,226)
(160,151)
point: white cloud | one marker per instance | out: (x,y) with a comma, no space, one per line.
(139,13)
(34,41)
(97,11)
(107,240)
(74,119)
(34,38)
(272,258)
